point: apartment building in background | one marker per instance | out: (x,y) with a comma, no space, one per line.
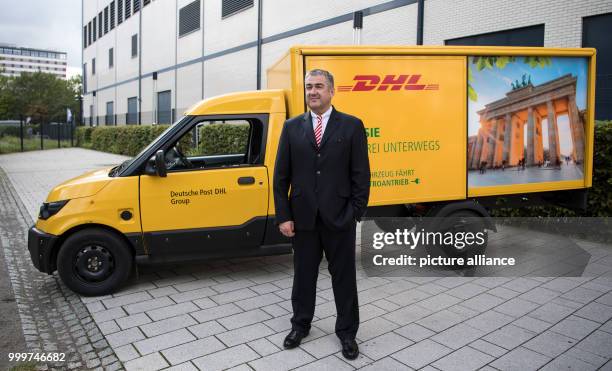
(147,61)
(15,60)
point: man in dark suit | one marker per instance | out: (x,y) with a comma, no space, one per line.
(323,157)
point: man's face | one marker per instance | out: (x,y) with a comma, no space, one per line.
(318,93)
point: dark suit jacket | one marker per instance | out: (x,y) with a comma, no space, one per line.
(333,180)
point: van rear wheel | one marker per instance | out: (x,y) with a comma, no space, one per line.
(94,262)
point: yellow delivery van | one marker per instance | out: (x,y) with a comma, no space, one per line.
(450,130)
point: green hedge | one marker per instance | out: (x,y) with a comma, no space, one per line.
(223,139)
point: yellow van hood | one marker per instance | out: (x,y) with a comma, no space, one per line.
(84,185)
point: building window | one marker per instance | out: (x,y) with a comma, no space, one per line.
(136,6)
(595,31)
(134,45)
(132,111)
(95,29)
(110,58)
(146,2)
(100,25)
(110,114)
(89,33)
(164,107)
(119,11)
(189,18)
(112,15)
(128,8)
(525,36)
(84,37)
(93,66)
(230,7)
(105,20)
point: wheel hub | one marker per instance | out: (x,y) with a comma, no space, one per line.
(94,263)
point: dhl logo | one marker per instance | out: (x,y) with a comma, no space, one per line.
(389,82)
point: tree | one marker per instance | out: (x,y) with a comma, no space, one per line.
(42,97)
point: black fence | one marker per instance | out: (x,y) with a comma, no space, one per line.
(20,137)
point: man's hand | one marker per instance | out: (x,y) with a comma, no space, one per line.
(286,228)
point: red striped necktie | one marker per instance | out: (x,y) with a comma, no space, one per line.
(319,130)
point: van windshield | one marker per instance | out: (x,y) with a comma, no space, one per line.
(116,170)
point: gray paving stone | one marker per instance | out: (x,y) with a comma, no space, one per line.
(586,356)
(520,359)
(275,310)
(489,321)
(488,348)
(532,324)
(258,301)
(193,349)
(407,314)
(109,314)
(192,295)
(550,344)
(244,334)
(323,346)
(149,362)
(172,310)
(439,301)
(567,303)
(408,297)
(539,295)
(516,307)
(596,312)
(482,302)
(581,295)
(263,347)
(564,362)
(126,299)
(133,321)
(458,336)
(440,321)
(465,358)
(509,336)
(120,338)
(432,288)
(95,306)
(164,341)
(575,327)
(598,342)
(467,291)
(206,329)
(232,286)
(126,353)
(108,327)
(607,327)
(194,285)
(285,360)
(384,345)
(605,299)
(503,293)
(385,364)
(521,284)
(374,327)
(187,366)
(175,280)
(167,325)
(148,305)
(551,313)
(386,305)
(214,313)
(421,354)
(330,363)
(244,319)
(279,324)
(414,332)
(162,291)
(561,284)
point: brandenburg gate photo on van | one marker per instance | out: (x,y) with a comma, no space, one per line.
(501,136)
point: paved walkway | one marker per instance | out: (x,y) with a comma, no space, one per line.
(235,313)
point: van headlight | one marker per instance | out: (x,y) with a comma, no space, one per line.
(48,209)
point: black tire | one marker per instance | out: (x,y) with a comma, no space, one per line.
(94,262)
(462,221)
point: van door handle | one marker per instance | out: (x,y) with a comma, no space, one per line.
(245,180)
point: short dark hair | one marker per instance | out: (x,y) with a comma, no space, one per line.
(319,72)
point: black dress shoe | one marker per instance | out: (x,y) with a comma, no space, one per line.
(293,339)
(350,350)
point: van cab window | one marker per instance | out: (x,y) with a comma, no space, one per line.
(214,144)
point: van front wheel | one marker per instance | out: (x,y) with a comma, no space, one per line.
(94,262)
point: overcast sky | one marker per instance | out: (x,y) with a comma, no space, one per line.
(44,24)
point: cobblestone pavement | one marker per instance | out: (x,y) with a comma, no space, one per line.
(235,313)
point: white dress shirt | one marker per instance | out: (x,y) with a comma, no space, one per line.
(325,116)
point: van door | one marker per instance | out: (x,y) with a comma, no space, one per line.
(214,201)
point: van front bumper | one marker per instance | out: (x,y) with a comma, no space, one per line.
(41,245)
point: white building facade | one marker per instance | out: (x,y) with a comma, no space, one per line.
(16,60)
(147,61)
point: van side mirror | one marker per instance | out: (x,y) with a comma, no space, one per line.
(157,165)
(160,164)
